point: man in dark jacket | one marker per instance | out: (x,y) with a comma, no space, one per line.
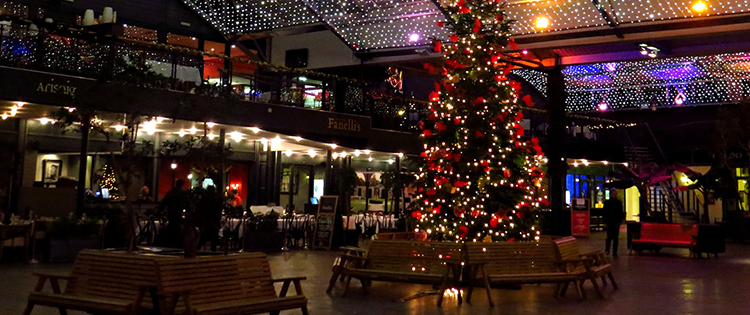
(613,213)
(174,203)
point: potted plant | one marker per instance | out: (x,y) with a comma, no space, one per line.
(69,235)
(261,232)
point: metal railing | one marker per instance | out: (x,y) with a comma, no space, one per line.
(98,52)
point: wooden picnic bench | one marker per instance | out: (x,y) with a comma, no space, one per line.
(405,261)
(503,263)
(588,266)
(101,282)
(233,284)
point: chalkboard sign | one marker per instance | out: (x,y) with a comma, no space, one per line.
(324,222)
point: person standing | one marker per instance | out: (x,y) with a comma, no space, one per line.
(175,203)
(209,215)
(613,213)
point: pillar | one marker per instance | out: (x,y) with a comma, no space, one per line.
(557,164)
(83,154)
(22,129)
(222,166)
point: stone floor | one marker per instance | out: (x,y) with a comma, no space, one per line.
(668,283)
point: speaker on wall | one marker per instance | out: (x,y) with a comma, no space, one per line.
(296,58)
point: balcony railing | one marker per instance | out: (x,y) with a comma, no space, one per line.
(102,52)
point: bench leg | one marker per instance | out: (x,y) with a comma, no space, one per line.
(28,309)
(346,286)
(596,287)
(487,286)
(612,279)
(304,310)
(581,291)
(332,282)
(564,289)
(443,286)
(364,285)
(472,278)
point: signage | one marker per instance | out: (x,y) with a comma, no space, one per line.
(55,88)
(324,222)
(344,124)
(580,218)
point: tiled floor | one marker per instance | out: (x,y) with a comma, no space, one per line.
(668,283)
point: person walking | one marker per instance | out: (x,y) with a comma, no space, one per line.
(613,213)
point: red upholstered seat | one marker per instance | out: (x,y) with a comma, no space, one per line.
(667,235)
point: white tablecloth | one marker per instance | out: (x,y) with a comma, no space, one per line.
(381,221)
(266,209)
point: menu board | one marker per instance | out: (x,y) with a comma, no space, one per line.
(324,222)
(579,217)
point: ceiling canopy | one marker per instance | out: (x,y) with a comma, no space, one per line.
(381,24)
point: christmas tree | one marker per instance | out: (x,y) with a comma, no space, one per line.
(107,180)
(480,180)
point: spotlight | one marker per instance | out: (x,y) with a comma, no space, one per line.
(699,7)
(414,37)
(542,23)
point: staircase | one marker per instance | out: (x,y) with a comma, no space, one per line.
(662,197)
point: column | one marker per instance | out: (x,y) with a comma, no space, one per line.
(22,129)
(557,164)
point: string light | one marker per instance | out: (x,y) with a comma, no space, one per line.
(697,80)
(479,180)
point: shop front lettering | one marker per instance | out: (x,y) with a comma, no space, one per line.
(344,124)
(56,89)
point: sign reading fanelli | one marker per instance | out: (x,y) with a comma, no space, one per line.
(56,88)
(344,124)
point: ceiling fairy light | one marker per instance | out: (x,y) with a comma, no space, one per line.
(372,25)
(413,37)
(651,83)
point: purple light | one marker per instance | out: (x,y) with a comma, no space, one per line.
(602,106)
(413,37)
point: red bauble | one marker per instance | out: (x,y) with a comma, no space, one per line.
(464,231)
(420,236)
(459,212)
(477,26)
(527,99)
(440,126)
(417,215)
